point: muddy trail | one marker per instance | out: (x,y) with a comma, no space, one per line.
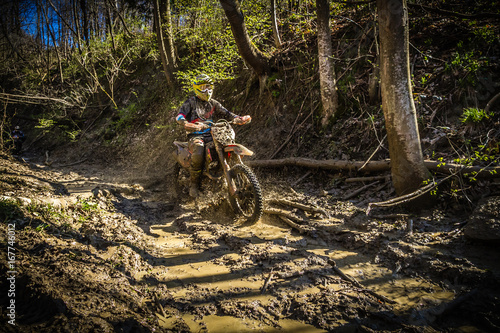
(97,252)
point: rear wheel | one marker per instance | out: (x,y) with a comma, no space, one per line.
(247,201)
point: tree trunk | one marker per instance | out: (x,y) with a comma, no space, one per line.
(161,45)
(76,21)
(170,50)
(274,24)
(374,76)
(407,163)
(120,16)
(5,32)
(54,41)
(85,21)
(109,24)
(252,56)
(327,79)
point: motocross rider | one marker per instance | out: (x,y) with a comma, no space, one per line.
(18,137)
(196,110)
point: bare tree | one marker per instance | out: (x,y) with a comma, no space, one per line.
(327,78)
(6,34)
(110,24)
(76,20)
(407,163)
(274,24)
(66,23)
(54,41)
(170,50)
(167,66)
(85,21)
(113,5)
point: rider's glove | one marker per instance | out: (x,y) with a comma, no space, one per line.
(243,120)
(195,127)
(202,126)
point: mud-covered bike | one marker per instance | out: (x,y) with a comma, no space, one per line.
(223,160)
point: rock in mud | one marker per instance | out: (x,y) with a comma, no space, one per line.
(484,223)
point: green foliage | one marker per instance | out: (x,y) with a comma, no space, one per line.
(9,209)
(466,60)
(484,34)
(474,115)
(471,55)
(45,124)
(87,205)
(126,116)
(480,155)
(72,135)
(214,54)
(41,227)
(206,42)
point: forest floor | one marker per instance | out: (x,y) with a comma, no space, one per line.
(98,251)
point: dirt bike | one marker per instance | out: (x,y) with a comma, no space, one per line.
(223,161)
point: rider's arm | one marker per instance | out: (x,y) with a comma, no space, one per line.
(180,119)
(184,112)
(190,127)
(239,120)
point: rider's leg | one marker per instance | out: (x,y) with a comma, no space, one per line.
(197,149)
(17,147)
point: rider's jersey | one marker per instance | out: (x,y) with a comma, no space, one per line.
(194,110)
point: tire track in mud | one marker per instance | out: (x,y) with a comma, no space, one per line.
(141,263)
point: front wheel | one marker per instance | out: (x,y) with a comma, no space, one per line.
(247,200)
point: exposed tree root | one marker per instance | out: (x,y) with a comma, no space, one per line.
(354,282)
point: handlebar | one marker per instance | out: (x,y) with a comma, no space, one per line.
(219,123)
(222,122)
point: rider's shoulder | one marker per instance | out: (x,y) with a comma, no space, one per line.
(215,102)
(191,99)
(189,102)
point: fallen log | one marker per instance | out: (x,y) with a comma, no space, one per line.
(320,164)
(375,166)
(367,179)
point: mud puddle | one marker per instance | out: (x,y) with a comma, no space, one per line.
(216,270)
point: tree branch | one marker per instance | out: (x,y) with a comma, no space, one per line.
(26,99)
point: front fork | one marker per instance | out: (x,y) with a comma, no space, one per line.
(227,168)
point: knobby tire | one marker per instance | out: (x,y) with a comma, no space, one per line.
(249,201)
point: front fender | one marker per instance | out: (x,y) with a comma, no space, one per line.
(238,149)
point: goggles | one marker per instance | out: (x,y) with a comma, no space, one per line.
(205,87)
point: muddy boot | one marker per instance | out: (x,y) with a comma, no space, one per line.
(194,186)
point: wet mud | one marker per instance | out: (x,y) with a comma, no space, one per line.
(97,252)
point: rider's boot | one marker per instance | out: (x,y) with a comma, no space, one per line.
(194,187)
